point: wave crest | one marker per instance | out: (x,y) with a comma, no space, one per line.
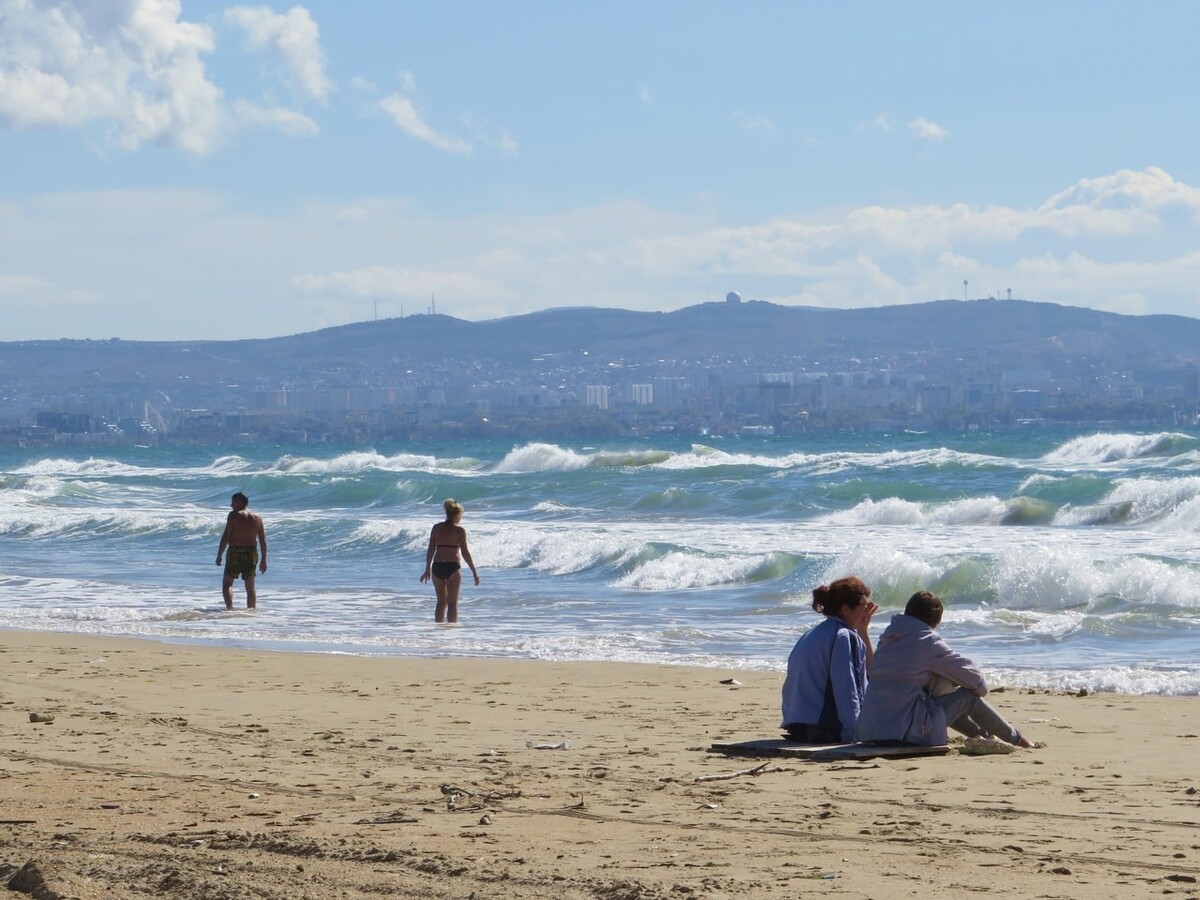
(541,457)
(967,511)
(367,460)
(83,468)
(1094,449)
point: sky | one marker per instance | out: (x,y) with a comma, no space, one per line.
(200,170)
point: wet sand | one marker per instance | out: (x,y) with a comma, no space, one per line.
(197,772)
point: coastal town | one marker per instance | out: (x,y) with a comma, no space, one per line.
(612,390)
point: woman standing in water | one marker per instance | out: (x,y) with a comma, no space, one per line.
(446,540)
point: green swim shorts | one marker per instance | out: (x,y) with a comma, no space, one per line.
(241,561)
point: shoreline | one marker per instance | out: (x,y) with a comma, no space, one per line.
(1156,679)
(196,771)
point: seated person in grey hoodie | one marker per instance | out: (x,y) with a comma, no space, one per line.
(899,705)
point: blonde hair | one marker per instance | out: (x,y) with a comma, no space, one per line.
(452,507)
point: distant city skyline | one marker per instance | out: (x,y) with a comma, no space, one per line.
(203,170)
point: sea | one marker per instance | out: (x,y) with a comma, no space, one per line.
(1066,560)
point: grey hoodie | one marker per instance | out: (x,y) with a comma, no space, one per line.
(898,705)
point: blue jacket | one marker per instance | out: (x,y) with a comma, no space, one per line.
(826,678)
(898,705)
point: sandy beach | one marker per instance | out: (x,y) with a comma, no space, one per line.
(200,772)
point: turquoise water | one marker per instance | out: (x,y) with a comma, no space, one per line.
(1065,560)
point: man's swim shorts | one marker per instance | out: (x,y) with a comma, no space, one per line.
(241,561)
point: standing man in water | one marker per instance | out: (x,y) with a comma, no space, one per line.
(242,530)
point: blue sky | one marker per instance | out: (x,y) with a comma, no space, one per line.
(203,170)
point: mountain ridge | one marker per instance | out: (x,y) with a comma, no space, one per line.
(983,333)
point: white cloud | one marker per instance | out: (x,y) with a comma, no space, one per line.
(31,291)
(645,93)
(527,234)
(20,286)
(1127,189)
(630,255)
(876,254)
(924,130)
(882,122)
(404,114)
(401,107)
(293,37)
(133,66)
(1140,277)
(393,282)
(506,144)
(1124,242)
(275,118)
(501,141)
(752,122)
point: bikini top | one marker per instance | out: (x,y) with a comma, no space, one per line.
(447,546)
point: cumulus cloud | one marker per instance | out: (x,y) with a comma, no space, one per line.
(1151,189)
(133,66)
(293,37)
(924,130)
(135,70)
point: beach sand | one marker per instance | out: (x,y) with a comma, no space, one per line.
(197,772)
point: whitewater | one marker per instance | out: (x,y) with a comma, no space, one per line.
(1066,561)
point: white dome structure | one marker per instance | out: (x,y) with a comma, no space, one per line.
(733,297)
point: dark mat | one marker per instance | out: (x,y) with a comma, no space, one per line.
(869,750)
(773,747)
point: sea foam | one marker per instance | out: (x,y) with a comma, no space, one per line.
(1097,449)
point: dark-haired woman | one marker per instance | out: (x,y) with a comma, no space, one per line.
(827,669)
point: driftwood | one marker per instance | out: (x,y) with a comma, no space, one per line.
(398,817)
(755,772)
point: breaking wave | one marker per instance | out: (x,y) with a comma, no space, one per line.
(1096,449)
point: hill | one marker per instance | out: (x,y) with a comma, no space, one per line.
(982,333)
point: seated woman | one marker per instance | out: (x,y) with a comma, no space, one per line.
(827,669)
(900,704)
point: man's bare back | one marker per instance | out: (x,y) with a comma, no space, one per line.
(243,537)
(242,527)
